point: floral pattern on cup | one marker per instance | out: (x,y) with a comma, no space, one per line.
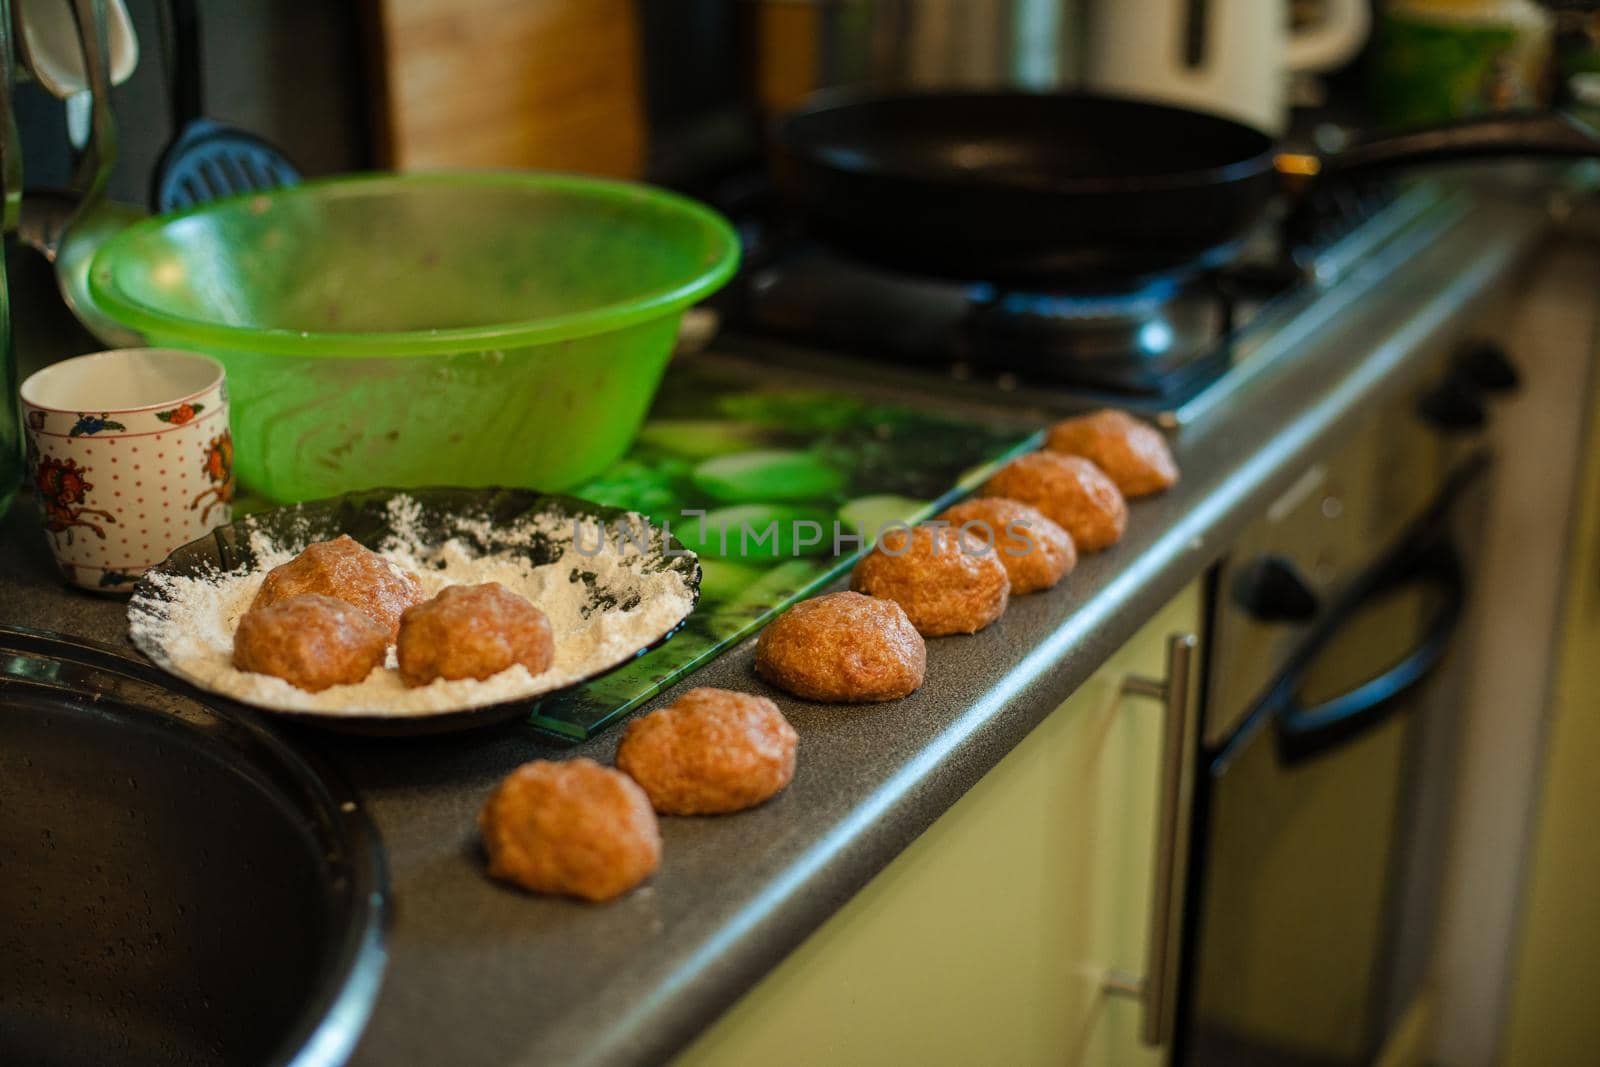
(218,467)
(180,414)
(92,424)
(63,490)
(118,489)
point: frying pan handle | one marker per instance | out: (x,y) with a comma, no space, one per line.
(1540,133)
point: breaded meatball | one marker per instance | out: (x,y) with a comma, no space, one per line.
(1132,452)
(1036,552)
(709,752)
(574,828)
(310,641)
(346,571)
(946,584)
(843,648)
(1071,491)
(472,631)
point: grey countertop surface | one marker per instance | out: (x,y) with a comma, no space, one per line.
(482,974)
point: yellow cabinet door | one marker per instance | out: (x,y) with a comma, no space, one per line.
(990,938)
(1553,1021)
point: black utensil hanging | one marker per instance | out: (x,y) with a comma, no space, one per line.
(206,160)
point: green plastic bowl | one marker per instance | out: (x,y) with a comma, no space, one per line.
(435,329)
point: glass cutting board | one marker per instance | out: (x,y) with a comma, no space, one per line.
(749,452)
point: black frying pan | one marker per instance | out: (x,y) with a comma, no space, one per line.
(1072,189)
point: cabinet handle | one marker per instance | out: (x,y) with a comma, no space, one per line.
(1159,987)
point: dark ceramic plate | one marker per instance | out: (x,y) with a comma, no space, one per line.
(365,517)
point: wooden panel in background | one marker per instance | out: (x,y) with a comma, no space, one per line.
(786,44)
(549,84)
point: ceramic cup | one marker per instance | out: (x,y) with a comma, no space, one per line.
(129,455)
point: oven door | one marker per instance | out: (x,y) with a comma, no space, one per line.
(1297,953)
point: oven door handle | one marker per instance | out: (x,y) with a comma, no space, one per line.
(1303,732)
(1424,554)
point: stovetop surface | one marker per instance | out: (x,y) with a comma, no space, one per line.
(1164,347)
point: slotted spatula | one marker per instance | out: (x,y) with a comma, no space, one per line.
(206,160)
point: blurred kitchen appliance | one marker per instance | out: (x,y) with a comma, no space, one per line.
(1330,713)
(800,46)
(1232,57)
(1439,60)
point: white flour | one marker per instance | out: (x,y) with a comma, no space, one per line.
(191,631)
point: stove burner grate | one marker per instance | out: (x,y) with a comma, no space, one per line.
(1129,340)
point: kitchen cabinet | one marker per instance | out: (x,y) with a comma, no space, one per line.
(1552,1018)
(990,938)
(1532,640)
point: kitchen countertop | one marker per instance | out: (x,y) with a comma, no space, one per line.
(482,974)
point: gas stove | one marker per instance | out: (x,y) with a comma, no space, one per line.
(1165,345)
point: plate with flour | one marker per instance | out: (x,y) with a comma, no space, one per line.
(612,586)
